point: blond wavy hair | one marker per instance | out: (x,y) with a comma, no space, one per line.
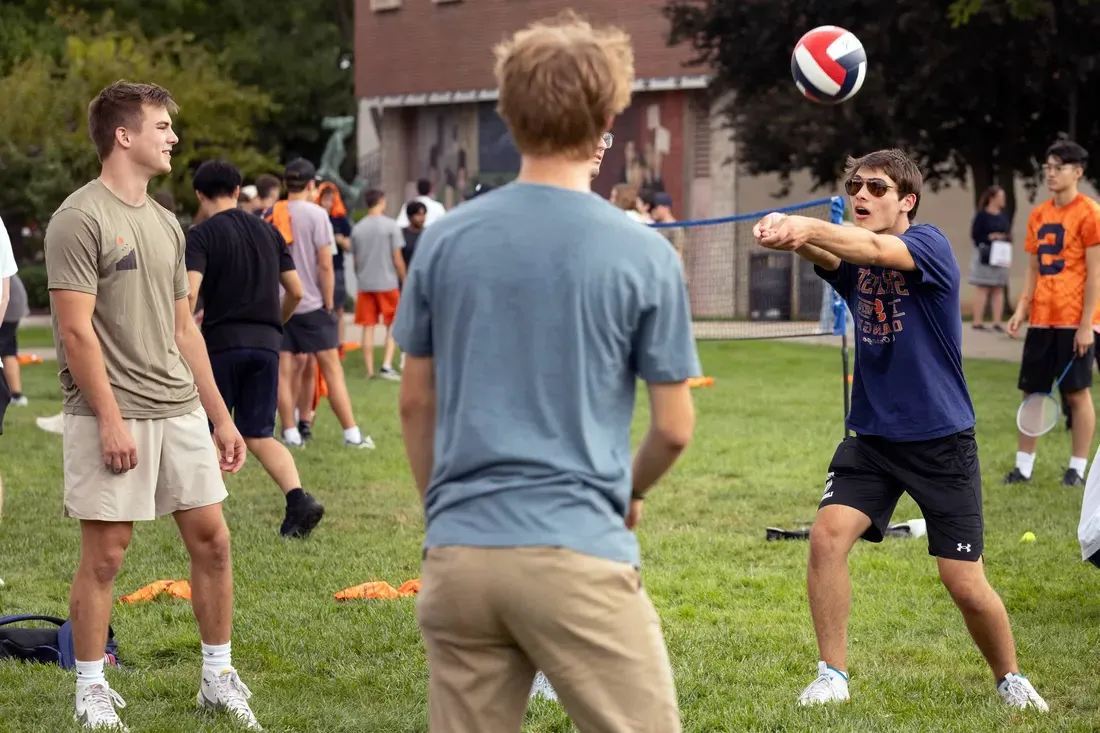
(561,82)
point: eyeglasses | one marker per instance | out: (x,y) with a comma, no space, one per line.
(875,186)
(608,138)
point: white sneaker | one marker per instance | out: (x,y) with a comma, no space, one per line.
(366,443)
(390,373)
(20,401)
(830,686)
(1016,690)
(95,708)
(542,688)
(291,442)
(225,692)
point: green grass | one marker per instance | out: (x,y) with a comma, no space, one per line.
(35,337)
(733,606)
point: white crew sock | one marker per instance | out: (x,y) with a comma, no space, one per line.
(292,436)
(1078,465)
(216,659)
(88,674)
(837,674)
(353,435)
(1025,462)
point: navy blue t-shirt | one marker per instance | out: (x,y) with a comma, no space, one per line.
(908,383)
(340,225)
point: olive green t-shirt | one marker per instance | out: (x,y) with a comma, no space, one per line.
(131,258)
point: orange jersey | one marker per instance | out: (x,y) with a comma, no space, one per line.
(1059,235)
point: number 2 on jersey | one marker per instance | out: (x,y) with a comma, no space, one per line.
(1051,249)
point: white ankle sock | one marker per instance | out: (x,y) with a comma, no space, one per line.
(89,673)
(353,435)
(1078,464)
(215,659)
(1025,462)
(291,435)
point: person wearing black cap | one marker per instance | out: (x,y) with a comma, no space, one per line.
(312,330)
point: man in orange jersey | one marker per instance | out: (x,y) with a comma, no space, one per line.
(1060,298)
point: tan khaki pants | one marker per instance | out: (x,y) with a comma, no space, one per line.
(490,617)
(177,470)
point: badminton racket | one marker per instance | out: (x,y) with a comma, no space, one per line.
(1039,412)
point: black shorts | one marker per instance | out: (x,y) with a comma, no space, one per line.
(248,380)
(942,475)
(1047,351)
(5,399)
(9,342)
(340,289)
(309,333)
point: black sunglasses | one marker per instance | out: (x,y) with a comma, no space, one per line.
(875,186)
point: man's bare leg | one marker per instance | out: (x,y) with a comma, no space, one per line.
(206,537)
(102,547)
(983,611)
(277,461)
(367,346)
(13,375)
(390,348)
(832,536)
(290,373)
(1084,424)
(339,399)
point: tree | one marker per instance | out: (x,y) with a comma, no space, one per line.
(45,152)
(299,53)
(984,98)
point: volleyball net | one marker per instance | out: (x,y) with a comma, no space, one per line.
(739,290)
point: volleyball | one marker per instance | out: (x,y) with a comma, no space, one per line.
(828,65)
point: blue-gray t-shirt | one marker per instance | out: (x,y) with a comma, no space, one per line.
(541,308)
(908,383)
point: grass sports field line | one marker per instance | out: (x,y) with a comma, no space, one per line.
(733,606)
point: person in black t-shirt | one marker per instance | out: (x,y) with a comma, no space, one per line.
(237,262)
(417,214)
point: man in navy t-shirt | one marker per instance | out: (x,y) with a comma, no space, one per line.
(911,414)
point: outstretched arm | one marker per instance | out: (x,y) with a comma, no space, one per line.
(850,244)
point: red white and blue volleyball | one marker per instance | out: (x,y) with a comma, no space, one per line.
(829,65)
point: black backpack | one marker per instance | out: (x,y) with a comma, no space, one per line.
(47,646)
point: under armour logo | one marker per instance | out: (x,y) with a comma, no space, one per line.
(963,548)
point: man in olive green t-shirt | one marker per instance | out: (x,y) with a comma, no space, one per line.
(138,393)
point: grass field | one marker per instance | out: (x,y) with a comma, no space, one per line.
(733,606)
(35,337)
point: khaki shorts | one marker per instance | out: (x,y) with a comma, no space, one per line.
(177,469)
(490,617)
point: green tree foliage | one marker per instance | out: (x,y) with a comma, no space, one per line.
(984,97)
(45,151)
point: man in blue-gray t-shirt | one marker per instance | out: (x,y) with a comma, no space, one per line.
(528,317)
(911,414)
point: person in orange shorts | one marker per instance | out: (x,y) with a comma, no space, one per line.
(376,244)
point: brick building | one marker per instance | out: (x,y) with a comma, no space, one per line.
(424,78)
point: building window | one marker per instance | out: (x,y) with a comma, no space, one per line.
(380,5)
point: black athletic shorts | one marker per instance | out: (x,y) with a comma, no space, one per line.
(309,333)
(1047,351)
(9,343)
(248,380)
(5,398)
(942,475)
(340,289)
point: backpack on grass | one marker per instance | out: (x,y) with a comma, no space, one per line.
(47,646)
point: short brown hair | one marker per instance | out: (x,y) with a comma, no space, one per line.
(896,164)
(267,184)
(121,105)
(560,81)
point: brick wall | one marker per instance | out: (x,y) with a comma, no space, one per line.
(424,46)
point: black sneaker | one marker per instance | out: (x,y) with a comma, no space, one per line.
(302,517)
(304,429)
(1016,477)
(1072,478)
